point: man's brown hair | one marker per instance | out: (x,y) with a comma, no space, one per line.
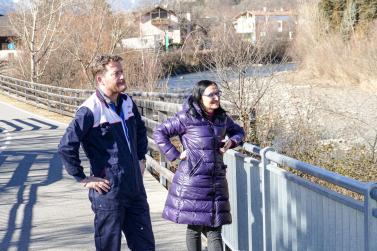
(99,63)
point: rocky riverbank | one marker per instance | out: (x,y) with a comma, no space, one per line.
(344,117)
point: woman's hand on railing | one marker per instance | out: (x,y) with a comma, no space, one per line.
(183,155)
(228,143)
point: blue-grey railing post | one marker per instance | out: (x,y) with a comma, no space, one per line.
(370,217)
(235,235)
(265,192)
(254,202)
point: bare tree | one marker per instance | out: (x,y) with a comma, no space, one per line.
(37,24)
(244,81)
(143,69)
(96,30)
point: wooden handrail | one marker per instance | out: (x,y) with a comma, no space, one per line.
(153,106)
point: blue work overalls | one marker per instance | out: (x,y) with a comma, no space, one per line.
(114,141)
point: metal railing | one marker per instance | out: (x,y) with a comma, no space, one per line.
(272,208)
(275,209)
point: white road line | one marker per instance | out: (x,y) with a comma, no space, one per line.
(8,138)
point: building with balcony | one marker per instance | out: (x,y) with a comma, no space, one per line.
(7,39)
(258,25)
(158,27)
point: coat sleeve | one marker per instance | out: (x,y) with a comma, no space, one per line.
(235,132)
(141,134)
(162,134)
(69,146)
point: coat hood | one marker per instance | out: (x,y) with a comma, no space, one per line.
(189,105)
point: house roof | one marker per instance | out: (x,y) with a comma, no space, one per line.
(266,13)
(158,7)
(243,14)
(5,27)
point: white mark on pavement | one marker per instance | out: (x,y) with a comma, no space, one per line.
(34,115)
(8,139)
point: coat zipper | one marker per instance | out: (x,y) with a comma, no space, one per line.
(213,176)
(124,124)
(195,167)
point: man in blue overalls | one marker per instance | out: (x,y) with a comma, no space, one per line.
(113,136)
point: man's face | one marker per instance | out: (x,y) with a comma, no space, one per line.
(112,80)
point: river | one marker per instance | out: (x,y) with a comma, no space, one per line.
(186,81)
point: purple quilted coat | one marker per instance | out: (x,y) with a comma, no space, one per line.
(199,192)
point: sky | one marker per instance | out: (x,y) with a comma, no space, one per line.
(6,5)
(129,4)
(122,4)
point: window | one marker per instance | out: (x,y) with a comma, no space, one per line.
(159,14)
(163,14)
(155,15)
(280,25)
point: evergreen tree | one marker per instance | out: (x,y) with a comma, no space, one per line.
(367,11)
(347,15)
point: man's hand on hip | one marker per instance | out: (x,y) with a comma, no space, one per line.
(99,184)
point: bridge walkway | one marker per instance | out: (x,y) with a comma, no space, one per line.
(41,207)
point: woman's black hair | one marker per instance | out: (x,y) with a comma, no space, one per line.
(196,97)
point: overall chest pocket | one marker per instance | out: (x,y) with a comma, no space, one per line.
(105,130)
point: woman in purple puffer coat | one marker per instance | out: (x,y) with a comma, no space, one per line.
(198,195)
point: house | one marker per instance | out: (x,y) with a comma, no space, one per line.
(257,25)
(157,27)
(7,39)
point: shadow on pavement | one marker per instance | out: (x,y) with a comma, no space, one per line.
(18,165)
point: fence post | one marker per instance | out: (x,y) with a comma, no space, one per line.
(370,217)
(265,184)
(236,235)
(34,93)
(17,90)
(26,86)
(77,96)
(163,164)
(254,202)
(49,99)
(61,101)
(163,161)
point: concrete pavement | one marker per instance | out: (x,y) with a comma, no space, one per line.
(41,207)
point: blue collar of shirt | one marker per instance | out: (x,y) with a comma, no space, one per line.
(107,99)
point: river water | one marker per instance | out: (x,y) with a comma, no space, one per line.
(186,81)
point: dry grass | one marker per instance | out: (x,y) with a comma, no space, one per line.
(331,57)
